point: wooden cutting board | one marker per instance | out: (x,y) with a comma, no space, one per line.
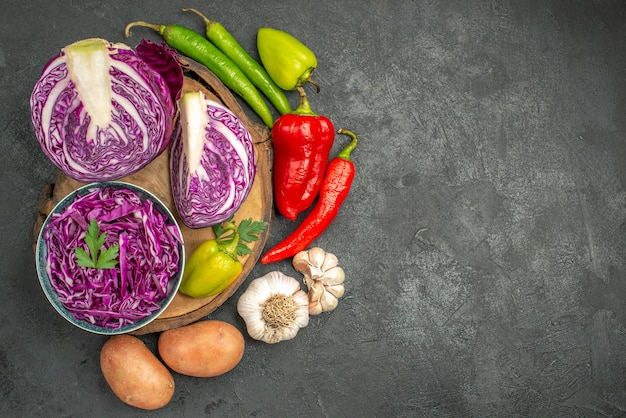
(156,178)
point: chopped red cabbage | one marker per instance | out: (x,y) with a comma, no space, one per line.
(148,257)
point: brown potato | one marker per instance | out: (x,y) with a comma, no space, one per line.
(203,349)
(134,374)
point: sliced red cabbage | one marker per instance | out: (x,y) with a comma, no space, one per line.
(102,112)
(212,162)
(148,257)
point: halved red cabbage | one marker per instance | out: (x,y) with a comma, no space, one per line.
(102,111)
(148,257)
(212,162)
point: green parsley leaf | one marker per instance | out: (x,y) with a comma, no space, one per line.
(106,259)
(249,231)
(97,257)
(82,258)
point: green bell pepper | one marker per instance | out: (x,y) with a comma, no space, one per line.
(212,267)
(287,60)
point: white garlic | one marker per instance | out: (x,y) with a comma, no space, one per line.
(274,308)
(323,278)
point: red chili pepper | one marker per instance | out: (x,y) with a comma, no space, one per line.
(333,192)
(302,141)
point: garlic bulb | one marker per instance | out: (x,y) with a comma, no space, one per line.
(274,308)
(323,278)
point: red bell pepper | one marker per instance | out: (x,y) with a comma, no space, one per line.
(333,192)
(302,141)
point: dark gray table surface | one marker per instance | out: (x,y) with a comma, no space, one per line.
(483,240)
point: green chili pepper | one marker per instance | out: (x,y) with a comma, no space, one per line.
(287,60)
(198,48)
(224,40)
(212,267)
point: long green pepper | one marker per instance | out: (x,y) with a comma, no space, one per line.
(226,42)
(198,48)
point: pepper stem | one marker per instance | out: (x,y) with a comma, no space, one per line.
(304,107)
(231,247)
(158,28)
(345,153)
(208,22)
(310,80)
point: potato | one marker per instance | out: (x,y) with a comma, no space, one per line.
(134,374)
(203,349)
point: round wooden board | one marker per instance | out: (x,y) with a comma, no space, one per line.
(156,178)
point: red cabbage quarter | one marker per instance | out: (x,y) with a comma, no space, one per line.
(102,112)
(148,257)
(212,162)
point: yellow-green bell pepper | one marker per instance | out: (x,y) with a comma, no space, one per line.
(212,267)
(287,60)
